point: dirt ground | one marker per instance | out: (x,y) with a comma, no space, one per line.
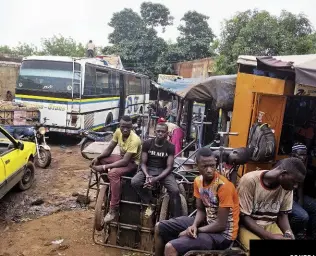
(32,221)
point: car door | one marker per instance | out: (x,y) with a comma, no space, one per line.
(12,158)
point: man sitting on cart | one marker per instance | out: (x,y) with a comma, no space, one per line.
(215,225)
(157,164)
(119,165)
(266,198)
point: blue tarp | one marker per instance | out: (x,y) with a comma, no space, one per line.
(180,84)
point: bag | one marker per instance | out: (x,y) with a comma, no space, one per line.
(261,143)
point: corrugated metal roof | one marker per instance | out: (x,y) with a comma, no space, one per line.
(9,64)
(295,59)
(180,84)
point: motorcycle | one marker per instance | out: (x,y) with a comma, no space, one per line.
(89,137)
(36,134)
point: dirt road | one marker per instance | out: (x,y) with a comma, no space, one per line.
(31,222)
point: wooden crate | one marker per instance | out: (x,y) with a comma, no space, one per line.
(18,117)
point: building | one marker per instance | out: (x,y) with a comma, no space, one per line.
(201,68)
(9,71)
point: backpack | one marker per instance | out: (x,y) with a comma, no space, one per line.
(261,143)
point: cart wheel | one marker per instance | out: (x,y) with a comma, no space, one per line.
(164,208)
(100,208)
(184,205)
(164,211)
(182,190)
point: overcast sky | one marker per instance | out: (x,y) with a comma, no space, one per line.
(30,20)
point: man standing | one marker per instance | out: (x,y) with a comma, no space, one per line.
(119,165)
(266,198)
(157,164)
(215,225)
(90,49)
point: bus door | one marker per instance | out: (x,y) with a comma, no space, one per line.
(122,102)
(73,106)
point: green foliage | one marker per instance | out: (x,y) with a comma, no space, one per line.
(155,15)
(56,46)
(195,36)
(62,46)
(135,39)
(260,33)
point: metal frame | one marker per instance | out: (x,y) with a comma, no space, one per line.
(96,186)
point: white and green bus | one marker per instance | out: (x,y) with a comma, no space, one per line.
(80,93)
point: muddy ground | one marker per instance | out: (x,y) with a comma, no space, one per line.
(33,221)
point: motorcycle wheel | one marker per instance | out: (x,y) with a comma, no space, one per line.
(45,160)
(83,146)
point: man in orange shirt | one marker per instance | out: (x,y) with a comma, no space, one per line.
(215,225)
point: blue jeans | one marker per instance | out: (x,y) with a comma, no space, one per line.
(304,218)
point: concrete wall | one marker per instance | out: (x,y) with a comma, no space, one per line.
(9,72)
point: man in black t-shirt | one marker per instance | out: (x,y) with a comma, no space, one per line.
(157,164)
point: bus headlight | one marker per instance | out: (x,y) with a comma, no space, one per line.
(42,130)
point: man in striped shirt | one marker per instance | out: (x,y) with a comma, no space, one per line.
(266,198)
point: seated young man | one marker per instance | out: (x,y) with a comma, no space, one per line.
(215,225)
(119,165)
(157,164)
(266,198)
(304,206)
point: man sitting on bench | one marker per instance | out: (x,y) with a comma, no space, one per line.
(157,164)
(215,225)
(119,165)
(266,198)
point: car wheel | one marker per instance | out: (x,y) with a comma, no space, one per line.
(28,177)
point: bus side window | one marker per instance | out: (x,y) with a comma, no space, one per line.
(102,83)
(112,81)
(89,84)
(117,84)
(138,86)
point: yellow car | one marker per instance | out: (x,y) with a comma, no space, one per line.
(16,163)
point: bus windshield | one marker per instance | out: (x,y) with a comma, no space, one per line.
(50,76)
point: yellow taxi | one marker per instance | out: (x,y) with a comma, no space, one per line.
(16,163)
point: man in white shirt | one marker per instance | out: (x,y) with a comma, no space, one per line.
(90,49)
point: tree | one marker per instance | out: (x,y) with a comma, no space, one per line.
(61,46)
(4,49)
(155,15)
(24,49)
(136,41)
(195,35)
(127,25)
(260,33)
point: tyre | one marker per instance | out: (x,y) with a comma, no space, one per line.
(182,190)
(45,158)
(28,177)
(83,146)
(164,210)
(100,208)
(184,205)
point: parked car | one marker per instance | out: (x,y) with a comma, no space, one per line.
(16,163)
